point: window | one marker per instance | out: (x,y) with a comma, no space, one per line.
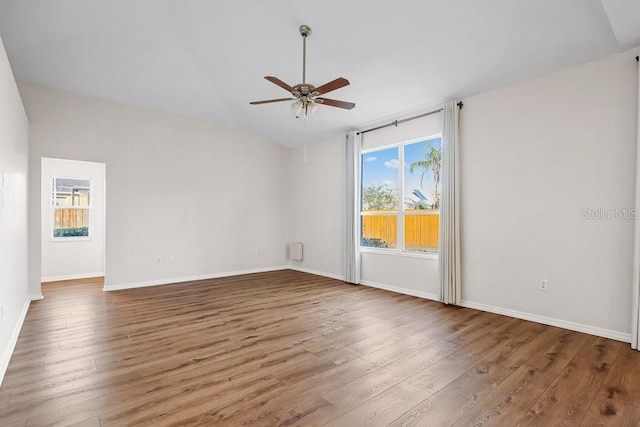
(71,205)
(400,196)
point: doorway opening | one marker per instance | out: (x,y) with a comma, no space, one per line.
(72,220)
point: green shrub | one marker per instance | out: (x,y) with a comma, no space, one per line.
(374,242)
(71,232)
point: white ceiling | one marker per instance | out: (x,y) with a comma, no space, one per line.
(207,58)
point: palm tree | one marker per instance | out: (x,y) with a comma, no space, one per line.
(432,161)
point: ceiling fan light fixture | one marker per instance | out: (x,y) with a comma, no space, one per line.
(298,109)
(312,107)
(304,108)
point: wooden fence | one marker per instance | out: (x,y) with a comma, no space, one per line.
(420,231)
(70,218)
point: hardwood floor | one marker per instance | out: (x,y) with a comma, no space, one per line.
(289,348)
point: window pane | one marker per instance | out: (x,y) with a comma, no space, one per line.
(422,175)
(68,192)
(70,222)
(421,232)
(380,180)
(380,231)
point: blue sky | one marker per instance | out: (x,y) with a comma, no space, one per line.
(381,167)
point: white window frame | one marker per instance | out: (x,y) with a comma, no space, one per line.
(53,208)
(400,213)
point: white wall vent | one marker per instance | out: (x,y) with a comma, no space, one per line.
(294,251)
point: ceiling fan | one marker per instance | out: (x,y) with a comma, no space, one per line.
(306,95)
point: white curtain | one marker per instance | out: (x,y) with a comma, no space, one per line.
(352,181)
(635,321)
(449,257)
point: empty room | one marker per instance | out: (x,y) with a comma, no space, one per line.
(319,213)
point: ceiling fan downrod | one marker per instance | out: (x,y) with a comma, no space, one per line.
(305,30)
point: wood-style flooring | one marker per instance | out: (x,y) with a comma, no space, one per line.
(289,348)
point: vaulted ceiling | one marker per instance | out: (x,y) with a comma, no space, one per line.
(208,58)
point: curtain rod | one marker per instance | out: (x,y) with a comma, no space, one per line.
(397,122)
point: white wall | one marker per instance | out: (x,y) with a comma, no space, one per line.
(14,144)
(532,156)
(72,258)
(210,195)
(317,205)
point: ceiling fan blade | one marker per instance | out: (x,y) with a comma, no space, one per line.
(336,103)
(267,101)
(280,83)
(333,85)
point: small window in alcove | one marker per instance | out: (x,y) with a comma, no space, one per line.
(71,205)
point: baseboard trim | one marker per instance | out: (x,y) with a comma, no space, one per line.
(36,297)
(316,272)
(173,280)
(405,291)
(71,277)
(565,324)
(13,340)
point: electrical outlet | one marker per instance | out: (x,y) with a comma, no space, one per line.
(172,258)
(158,260)
(543,285)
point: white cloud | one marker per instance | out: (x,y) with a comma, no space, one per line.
(370,159)
(392,164)
(388,183)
